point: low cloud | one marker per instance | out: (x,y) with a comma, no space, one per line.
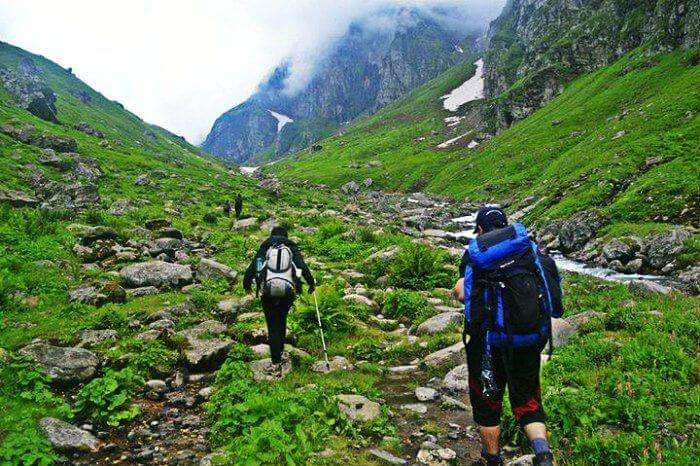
(180,64)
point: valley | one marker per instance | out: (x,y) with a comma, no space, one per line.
(126,336)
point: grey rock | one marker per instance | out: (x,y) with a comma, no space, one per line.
(245,224)
(662,248)
(209,269)
(457,379)
(64,365)
(387,457)
(98,233)
(67,437)
(17,198)
(525,460)
(575,232)
(266,370)
(439,323)
(156,273)
(142,291)
(90,338)
(454,403)
(337,363)
(690,279)
(361,300)
(358,407)
(418,408)
(447,357)
(426,393)
(622,249)
(87,294)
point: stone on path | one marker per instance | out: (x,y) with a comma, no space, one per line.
(206,353)
(209,269)
(156,273)
(453,403)
(337,363)
(262,351)
(64,365)
(265,369)
(387,457)
(439,323)
(403,369)
(447,357)
(525,460)
(358,407)
(66,437)
(457,379)
(418,408)
(426,393)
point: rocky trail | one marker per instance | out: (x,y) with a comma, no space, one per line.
(431,413)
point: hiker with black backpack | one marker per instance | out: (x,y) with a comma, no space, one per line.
(510,291)
(238,205)
(277,269)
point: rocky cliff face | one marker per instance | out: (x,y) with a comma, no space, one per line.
(536,46)
(366,69)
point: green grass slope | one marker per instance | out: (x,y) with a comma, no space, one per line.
(625,139)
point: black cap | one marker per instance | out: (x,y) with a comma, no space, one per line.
(490,218)
(279,231)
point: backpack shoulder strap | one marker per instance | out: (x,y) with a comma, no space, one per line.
(545,284)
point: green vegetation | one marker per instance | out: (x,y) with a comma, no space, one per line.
(108,399)
(623,138)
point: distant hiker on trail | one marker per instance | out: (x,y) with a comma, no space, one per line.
(510,291)
(239,205)
(227,208)
(277,268)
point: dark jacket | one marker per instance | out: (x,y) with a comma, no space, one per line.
(296,258)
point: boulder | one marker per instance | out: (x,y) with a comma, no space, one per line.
(121,207)
(17,198)
(425,393)
(439,323)
(387,457)
(93,234)
(90,338)
(361,301)
(169,232)
(622,249)
(87,294)
(166,246)
(157,223)
(358,407)
(457,379)
(209,269)
(205,355)
(66,437)
(564,329)
(337,363)
(418,408)
(63,365)
(245,224)
(350,189)
(265,369)
(156,273)
(447,357)
(142,291)
(662,248)
(690,279)
(575,232)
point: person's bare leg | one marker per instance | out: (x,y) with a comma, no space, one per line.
(535,430)
(489,438)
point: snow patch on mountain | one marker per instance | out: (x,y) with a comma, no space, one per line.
(471,89)
(281,119)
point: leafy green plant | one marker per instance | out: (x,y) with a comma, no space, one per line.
(108,398)
(336,316)
(405,303)
(418,267)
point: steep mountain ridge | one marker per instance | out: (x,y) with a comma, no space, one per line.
(534,48)
(367,68)
(617,147)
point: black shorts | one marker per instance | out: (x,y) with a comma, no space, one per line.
(519,370)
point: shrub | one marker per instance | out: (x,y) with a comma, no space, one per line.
(366,235)
(107,399)
(405,303)
(418,267)
(335,315)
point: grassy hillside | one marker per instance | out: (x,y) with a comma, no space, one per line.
(625,139)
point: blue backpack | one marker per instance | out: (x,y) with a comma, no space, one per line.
(508,293)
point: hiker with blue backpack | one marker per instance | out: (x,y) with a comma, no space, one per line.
(277,269)
(510,291)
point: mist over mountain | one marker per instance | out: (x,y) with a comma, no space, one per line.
(380,56)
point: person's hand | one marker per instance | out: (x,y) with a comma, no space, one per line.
(458,290)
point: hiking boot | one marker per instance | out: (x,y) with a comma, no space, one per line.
(543,459)
(484,462)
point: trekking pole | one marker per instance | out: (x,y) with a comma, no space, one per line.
(323,340)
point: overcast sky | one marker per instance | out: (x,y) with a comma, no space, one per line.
(180,64)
